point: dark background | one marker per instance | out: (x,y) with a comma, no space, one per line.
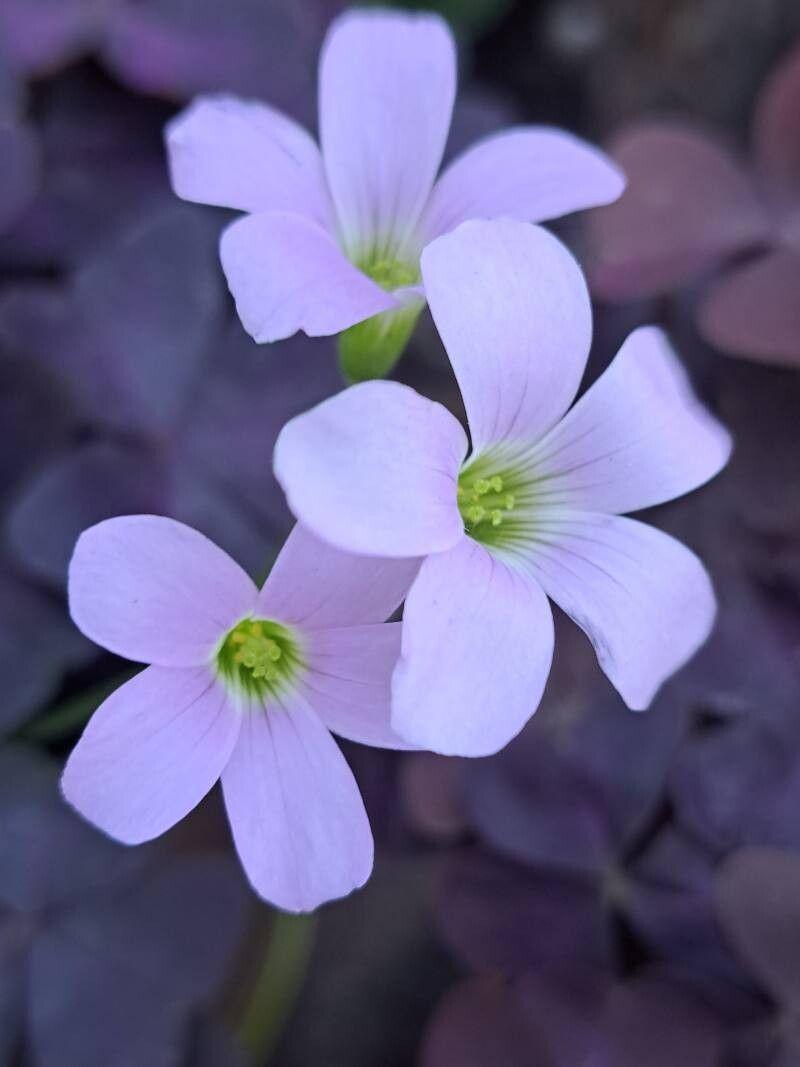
(614,889)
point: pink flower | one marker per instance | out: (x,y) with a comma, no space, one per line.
(333,237)
(244,686)
(691,205)
(534,511)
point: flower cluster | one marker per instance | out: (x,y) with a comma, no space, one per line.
(395,503)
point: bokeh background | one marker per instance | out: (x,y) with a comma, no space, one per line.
(614,889)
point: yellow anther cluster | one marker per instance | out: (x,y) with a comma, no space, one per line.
(256,651)
(484,500)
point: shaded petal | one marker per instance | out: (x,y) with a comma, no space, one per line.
(320,586)
(151,752)
(643,599)
(776,126)
(387,85)
(349,682)
(754,310)
(636,438)
(297,817)
(476,651)
(687,204)
(154,590)
(529,173)
(287,274)
(399,498)
(758,902)
(245,155)
(513,312)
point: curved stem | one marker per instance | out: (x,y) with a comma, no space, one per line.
(278,984)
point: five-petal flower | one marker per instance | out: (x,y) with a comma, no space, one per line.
(535,511)
(244,686)
(332,239)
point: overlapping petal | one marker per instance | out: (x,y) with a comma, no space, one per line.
(643,599)
(529,173)
(156,591)
(286,274)
(295,810)
(319,586)
(512,309)
(245,155)
(387,85)
(151,752)
(638,437)
(374,469)
(476,652)
(349,682)
(754,310)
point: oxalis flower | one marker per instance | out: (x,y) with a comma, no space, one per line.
(533,511)
(244,686)
(332,240)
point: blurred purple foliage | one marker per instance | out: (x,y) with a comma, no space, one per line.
(106,953)
(614,889)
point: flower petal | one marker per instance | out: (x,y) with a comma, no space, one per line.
(387,85)
(374,470)
(242,154)
(349,683)
(287,274)
(154,590)
(643,599)
(636,438)
(513,312)
(320,586)
(754,311)
(530,173)
(295,810)
(151,752)
(476,651)
(687,204)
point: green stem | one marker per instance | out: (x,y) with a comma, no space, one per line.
(66,718)
(278,984)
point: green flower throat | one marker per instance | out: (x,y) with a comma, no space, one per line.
(259,658)
(495,502)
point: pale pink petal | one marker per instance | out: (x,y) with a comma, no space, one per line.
(374,470)
(644,600)
(349,682)
(776,126)
(151,752)
(755,310)
(154,590)
(242,154)
(476,651)
(387,84)
(318,586)
(687,203)
(287,274)
(636,438)
(512,309)
(297,816)
(530,173)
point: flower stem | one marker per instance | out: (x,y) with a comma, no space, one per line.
(278,984)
